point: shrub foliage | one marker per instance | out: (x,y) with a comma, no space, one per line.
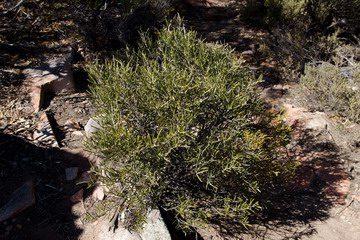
(183,128)
(336,86)
(309,30)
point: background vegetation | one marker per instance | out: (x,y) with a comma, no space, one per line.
(183,127)
(335,85)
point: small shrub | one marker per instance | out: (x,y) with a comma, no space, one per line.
(183,128)
(293,49)
(336,86)
(286,9)
(308,30)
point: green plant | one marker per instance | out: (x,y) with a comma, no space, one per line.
(335,86)
(309,30)
(182,127)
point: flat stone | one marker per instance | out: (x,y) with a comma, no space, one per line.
(22,198)
(71,173)
(317,122)
(54,76)
(154,228)
(91,127)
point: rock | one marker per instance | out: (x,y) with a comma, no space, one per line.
(154,228)
(54,76)
(317,122)
(77,197)
(91,127)
(44,133)
(22,198)
(120,233)
(98,193)
(71,173)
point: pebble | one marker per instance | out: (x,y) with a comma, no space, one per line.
(91,127)
(18,226)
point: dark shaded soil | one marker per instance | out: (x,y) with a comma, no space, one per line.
(51,217)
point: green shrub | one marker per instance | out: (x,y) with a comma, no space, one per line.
(301,13)
(286,9)
(183,128)
(336,86)
(309,30)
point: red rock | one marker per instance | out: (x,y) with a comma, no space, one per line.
(55,76)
